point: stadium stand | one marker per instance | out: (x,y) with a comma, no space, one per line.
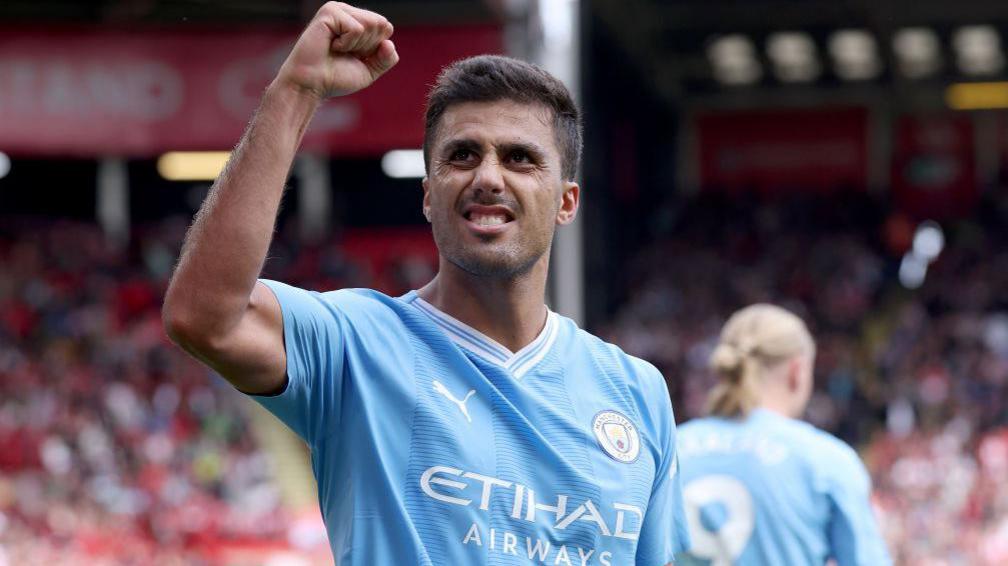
(115,447)
(141,457)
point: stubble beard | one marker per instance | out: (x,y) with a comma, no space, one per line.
(505,261)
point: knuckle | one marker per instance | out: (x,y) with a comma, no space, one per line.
(329,8)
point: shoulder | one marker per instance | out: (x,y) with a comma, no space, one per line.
(609,355)
(835,461)
(612,359)
(641,383)
(828,446)
(364,301)
(353,306)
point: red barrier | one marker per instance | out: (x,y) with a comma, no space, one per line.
(89,92)
(933,167)
(784,150)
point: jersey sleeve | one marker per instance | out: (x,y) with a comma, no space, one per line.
(313,330)
(854,535)
(664,532)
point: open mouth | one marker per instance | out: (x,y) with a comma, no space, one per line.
(481,219)
(488,216)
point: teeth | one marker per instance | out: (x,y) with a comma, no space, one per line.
(487,219)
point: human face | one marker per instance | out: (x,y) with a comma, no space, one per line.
(494,193)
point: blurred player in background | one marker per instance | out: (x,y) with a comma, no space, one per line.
(463,423)
(762,487)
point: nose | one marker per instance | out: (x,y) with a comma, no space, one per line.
(489,177)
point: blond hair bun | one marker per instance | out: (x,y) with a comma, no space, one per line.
(726,360)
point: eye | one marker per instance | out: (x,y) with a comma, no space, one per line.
(520,156)
(460,154)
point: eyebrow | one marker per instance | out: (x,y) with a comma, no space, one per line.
(507,147)
(461,143)
(530,148)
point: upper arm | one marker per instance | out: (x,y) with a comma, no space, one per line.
(854,534)
(663,532)
(287,351)
(251,354)
(313,341)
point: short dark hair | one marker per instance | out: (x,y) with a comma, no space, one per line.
(488,78)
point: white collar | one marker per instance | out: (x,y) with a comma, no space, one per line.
(518,363)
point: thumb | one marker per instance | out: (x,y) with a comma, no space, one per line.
(383,59)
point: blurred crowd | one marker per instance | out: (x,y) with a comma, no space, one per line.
(917,379)
(116,448)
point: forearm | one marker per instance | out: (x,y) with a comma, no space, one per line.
(226,246)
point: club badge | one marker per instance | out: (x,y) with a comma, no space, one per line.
(617,435)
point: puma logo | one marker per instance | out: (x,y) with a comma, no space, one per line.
(440,388)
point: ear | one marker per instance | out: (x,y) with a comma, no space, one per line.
(793,380)
(569,201)
(426,199)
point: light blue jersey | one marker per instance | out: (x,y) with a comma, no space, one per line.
(769,490)
(434,445)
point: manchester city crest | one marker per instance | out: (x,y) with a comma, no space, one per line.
(617,435)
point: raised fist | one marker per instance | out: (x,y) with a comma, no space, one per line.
(343,50)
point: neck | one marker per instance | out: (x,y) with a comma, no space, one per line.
(511,311)
(780,403)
